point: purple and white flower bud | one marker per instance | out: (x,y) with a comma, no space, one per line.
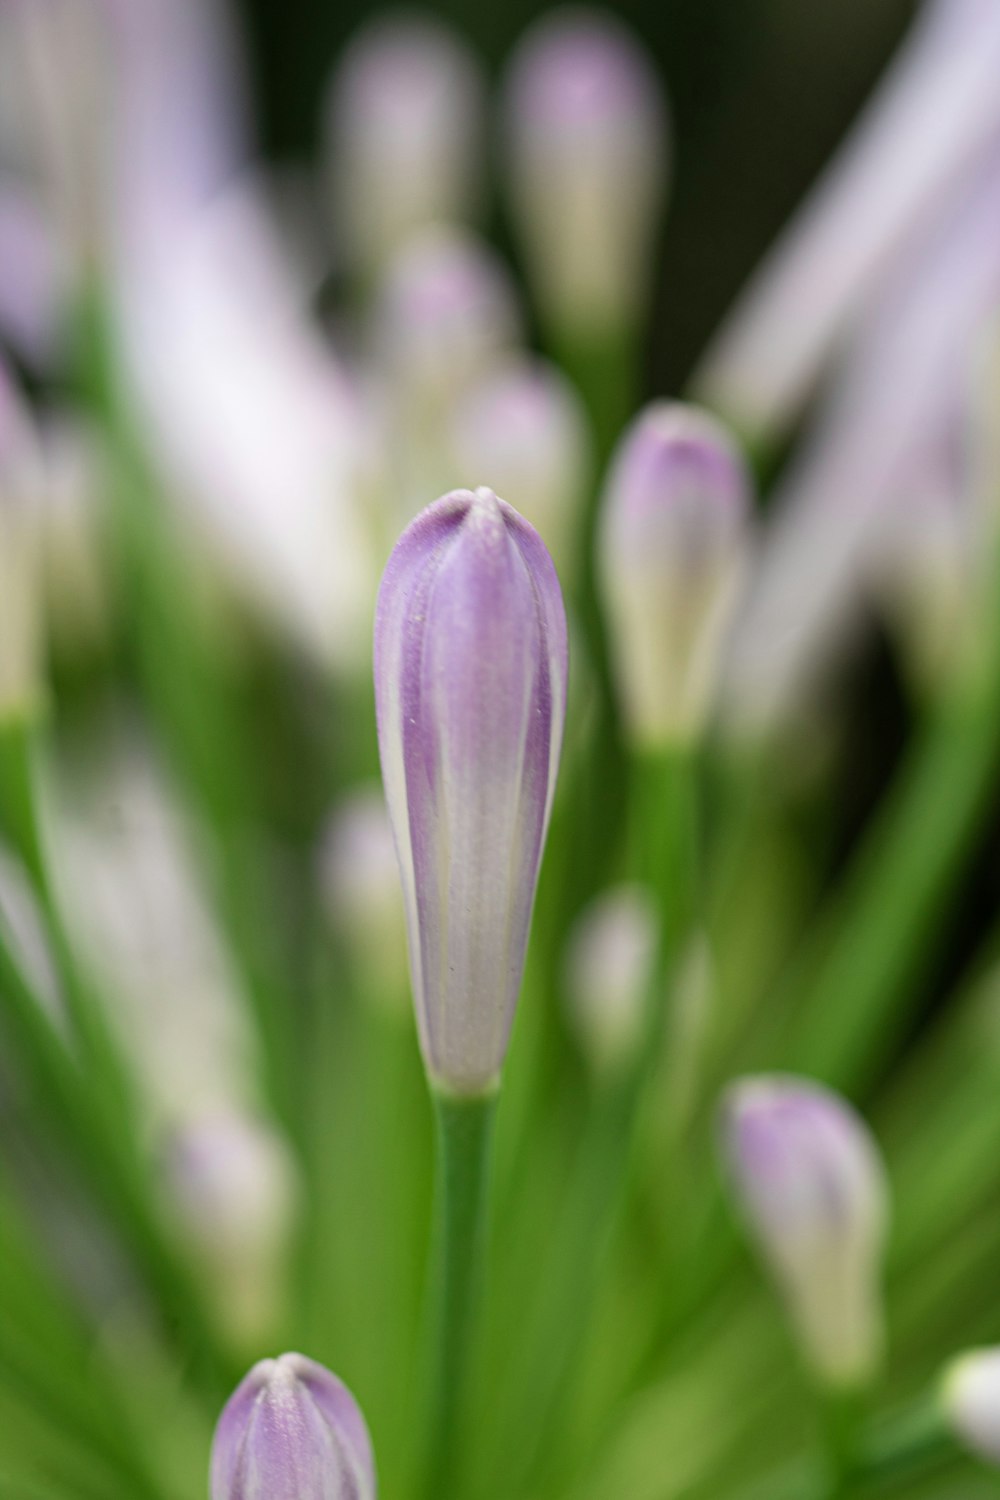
(292,1431)
(404,128)
(360,878)
(586,145)
(470,690)
(970,1398)
(21,610)
(233,1192)
(673,540)
(447,310)
(523,429)
(813,1190)
(609,962)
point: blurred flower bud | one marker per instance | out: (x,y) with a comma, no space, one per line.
(970,1397)
(292,1431)
(673,539)
(470,687)
(523,430)
(404,131)
(232,1186)
(33,285)
(20,558)
(447,310)
(361,884)
(608,967)
(812,1186)
(586,136)
(76,573)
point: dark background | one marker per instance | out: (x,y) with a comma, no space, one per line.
(761,91)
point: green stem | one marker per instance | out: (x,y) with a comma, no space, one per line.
(464,1147)
(842,1414)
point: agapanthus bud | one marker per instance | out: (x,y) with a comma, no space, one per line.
(608,966)
(404,126)
(292,1431)
(523,429)
(446,311)
(673,542)
(586,140)
(232,1187)
(20,557)
(470,686)
(812,1186)
(970,1397)
(361,886)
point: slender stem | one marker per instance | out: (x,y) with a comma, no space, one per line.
(842,1414)
(464,1147)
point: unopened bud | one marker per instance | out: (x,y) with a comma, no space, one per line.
(970,1397)
(447,310)
(586,142)
(812,1186)
(470,691)
(20,558)
(673,540)
(404,125)
(523,430)
(232,1185)
(608,966)
(292,1431)
(361,883)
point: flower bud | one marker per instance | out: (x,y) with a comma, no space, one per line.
(523,429)
(608,966)
(292,1431)
(447,309)
(673,544)
(586,143)
(361,885)
(20,558)
(404,127)
(470,688)
(970,1397)
(813,1191)
(233,1192)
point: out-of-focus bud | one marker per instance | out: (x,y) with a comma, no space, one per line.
(233,1192)
(447,311)
(586,145)
(33,284)
(970,1397)
(523,430)
(20,559)
(608,967)
(931,123)
(470,689)
(673,543)
(78,587)
(361,884)
(812,1186)
(404,129)
(292,1431)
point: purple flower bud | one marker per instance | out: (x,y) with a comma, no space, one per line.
(813,1190)
(971,1400)
(587,139)
(21,607)
(447,309)
(523,429)
(292,1431)
(673,543)
(404,124)
(470,685)
(608,966)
